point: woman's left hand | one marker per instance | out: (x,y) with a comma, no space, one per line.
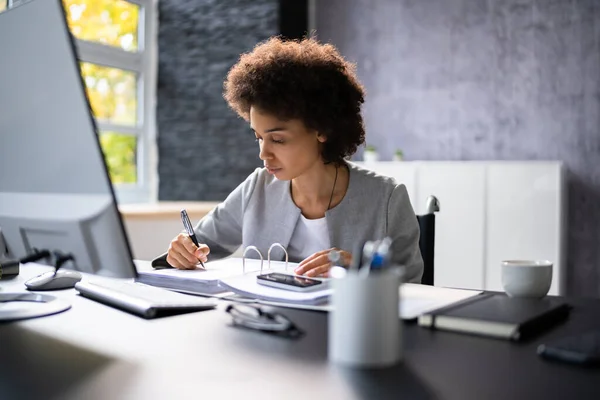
(318,264)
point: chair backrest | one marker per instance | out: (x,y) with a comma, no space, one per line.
(427,239)
(427,246)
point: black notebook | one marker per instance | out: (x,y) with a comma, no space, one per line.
(497,315)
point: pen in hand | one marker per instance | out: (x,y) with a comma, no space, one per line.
(190,230)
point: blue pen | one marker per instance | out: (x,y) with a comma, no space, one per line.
(381,255)
(190,230)
(377,261)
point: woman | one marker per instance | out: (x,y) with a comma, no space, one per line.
(303,103)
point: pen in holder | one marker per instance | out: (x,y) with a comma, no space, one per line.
(364,323)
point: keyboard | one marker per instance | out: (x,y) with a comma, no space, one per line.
(143,300)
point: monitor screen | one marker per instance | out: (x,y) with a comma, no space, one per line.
(55,192)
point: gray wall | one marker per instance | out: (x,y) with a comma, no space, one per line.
(485,80)
(204,149)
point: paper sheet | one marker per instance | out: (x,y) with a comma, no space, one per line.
(216,270)
(415,300)
(247,285)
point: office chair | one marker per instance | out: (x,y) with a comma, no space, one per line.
(427,239)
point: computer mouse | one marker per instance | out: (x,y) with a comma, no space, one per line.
(54,280)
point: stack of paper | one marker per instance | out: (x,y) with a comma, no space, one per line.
(247,285)
(196,281)
(207,281)
(415,299)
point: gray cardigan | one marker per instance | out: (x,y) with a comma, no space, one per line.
(260,211)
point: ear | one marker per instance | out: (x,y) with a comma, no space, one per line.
(321,138)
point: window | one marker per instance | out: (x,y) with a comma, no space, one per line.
(115,41)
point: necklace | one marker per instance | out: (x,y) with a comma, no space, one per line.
(332,189)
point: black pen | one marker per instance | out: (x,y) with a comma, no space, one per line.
(190,230)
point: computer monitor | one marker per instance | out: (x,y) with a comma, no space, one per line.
(55,192)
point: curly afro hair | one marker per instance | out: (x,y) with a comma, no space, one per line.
(303,80)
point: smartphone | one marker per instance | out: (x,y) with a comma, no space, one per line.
(581,349)
(289,282)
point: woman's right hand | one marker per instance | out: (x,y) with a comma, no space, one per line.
(184,254)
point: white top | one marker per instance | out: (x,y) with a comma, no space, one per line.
(310,236)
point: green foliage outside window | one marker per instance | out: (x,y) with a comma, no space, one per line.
(111,22)
(112,91)
(120,155)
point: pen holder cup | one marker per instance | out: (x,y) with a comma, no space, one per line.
(365,330)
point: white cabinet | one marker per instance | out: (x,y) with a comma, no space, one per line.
(524,218)
(460,189)
(490,211)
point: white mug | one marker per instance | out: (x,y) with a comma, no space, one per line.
(364,323)
(526,278)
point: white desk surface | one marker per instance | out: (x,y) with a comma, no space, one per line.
(122,356)
(96,352)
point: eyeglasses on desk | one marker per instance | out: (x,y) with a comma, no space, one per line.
(255,318)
